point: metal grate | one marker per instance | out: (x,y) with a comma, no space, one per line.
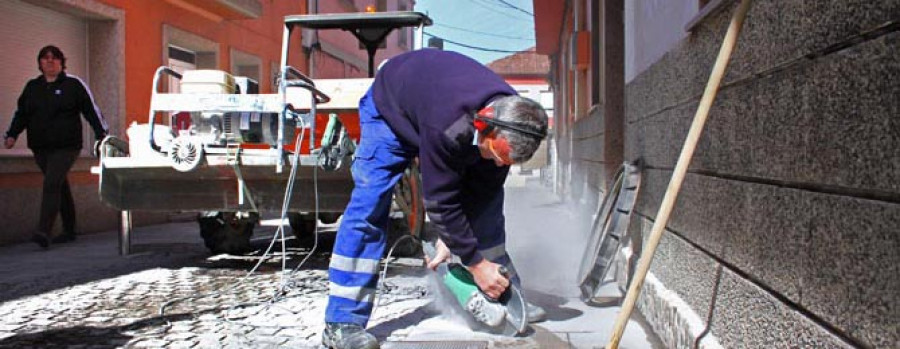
(608,230)
(435,345)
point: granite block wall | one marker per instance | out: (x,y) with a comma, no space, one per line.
(787,228)
(749,317)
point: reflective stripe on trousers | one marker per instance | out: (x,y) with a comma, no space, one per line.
(353,273)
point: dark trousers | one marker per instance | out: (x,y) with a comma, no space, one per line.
(57,196)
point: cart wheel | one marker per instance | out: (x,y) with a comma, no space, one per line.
(186,153)
(408,199)
(227,232)
(303,227)
(329,217)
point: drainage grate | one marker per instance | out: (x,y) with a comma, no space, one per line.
(435,345)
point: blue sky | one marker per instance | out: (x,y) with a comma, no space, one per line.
(491,25)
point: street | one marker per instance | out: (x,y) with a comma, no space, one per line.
(171,293)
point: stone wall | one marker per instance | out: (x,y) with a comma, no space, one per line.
(787,229)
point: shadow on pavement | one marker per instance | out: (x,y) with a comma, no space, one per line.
(32,273)
(94,336)
(82,336)
(384,329)
(553,305)
(41,272)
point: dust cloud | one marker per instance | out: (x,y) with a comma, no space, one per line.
(546,239)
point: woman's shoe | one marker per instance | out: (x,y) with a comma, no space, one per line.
(41,239)
(64,238)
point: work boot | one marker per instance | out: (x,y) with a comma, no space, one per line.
(65,237)
(485,311)
(339,335)
(41,239)
(534,313)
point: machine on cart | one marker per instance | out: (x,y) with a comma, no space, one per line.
(229,153)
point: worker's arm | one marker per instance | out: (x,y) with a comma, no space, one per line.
(443,163)
(450,175)
(486,273)
(442,255)
(488,278)
(484,194)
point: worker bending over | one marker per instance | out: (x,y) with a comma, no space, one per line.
(466,126)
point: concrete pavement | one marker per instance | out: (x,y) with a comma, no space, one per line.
(84,295)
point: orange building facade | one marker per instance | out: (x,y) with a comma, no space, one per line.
(115,46)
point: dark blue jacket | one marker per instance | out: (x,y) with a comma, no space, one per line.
(428,98)
(51,112)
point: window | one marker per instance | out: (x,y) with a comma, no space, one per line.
(402,33)
(180,60)
(246,65)
(546,99)
(187,51)
(183,55)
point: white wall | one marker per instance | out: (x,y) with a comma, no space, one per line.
(652,27)
(540,93)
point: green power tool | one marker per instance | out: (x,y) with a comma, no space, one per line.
(336,144)
(505,315)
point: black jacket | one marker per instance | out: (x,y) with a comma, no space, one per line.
(50,113)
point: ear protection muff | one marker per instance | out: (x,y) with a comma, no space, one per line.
(485,123)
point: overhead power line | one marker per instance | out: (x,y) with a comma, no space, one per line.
(485,5)
(515,7)
(470,46)
(484,33)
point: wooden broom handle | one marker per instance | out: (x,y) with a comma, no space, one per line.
(687,152)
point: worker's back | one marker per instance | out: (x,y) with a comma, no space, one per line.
(432,89)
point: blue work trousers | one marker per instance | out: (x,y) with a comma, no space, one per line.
(380,160)
(353,273)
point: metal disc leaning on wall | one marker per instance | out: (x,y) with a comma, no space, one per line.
(609,228)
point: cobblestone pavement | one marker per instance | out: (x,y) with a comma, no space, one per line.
(204,303)
(195,302)
(171,294)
